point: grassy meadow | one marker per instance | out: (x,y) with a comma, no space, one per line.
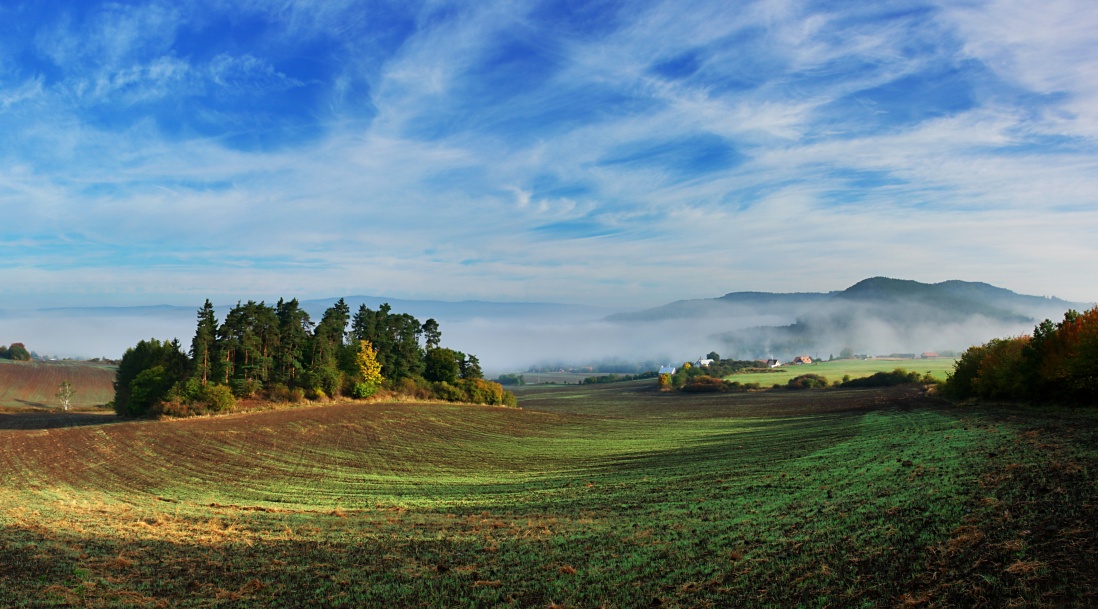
(835,370)
(592,496)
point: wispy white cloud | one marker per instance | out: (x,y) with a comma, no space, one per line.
(1046,49)
(487,150)
(112,36)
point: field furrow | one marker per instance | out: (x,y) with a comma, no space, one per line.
(589,496)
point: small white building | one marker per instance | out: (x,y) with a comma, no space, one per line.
(703,363)
(773,363)
(667,370)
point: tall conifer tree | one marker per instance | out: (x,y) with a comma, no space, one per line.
(205,338)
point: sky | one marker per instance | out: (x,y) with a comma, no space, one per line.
(619,154)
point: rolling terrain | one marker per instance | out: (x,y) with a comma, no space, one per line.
(591,496)
(35,384)
(948,299)
(875,316)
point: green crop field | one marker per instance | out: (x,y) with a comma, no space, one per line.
(855,368)
(588,496)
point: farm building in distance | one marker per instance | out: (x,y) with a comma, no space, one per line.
(773,363)
(802,359)
(667,370)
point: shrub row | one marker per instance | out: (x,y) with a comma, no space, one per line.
(898,376)
(709,384)
(1057,363)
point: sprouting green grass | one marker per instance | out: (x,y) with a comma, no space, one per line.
(854,368)
(594,496)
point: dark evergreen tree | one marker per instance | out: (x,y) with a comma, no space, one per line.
(394,336)
(145,374)
(205,338)
(470,367)
(248,341)
(431,333)
(227,345)
(442,365)
(328,349)
(294,327)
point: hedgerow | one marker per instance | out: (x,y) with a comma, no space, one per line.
(1057,363)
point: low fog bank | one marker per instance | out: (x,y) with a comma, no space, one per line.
(70,334)
(515,346)
(503,344)
(879,328)
(518,343)
(868,336)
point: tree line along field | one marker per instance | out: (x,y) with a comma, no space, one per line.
(35,384)
(592,496)
(835,370)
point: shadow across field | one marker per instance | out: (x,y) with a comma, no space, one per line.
(54,420)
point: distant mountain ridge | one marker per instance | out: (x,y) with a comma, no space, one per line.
(965,296)
(875,314)
(952,291)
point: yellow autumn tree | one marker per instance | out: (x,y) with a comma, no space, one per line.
(369,371)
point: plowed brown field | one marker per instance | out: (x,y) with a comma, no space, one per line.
(35,384)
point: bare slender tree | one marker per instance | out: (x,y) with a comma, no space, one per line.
(64,393)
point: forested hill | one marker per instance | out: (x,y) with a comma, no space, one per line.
(960,296)
(952,299)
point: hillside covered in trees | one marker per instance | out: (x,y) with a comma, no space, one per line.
(278,353)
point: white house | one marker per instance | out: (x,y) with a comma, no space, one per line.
(667,370)
(704,363)
(772,363)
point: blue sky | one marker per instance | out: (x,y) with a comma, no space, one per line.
(621,154)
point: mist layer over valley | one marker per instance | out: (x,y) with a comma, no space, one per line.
(877,316)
